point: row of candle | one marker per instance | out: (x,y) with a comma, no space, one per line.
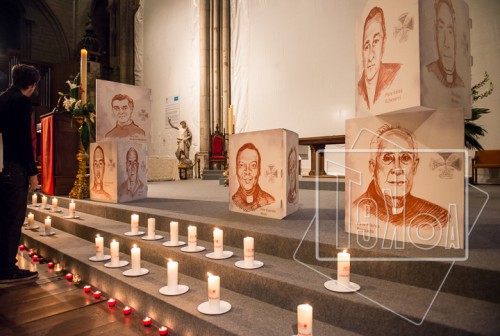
(54,208)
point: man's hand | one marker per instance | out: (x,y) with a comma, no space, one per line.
(33,182)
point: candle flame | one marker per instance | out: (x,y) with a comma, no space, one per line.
(48,217)
(209,274)
(169,260)
(97,236)
(135,246)
(72,201)
(345,251)
(114,241)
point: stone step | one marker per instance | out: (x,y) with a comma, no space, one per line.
(379,300)
(289,238)
(247,316)
(212,174)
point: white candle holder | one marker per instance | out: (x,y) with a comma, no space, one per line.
(170,244)
(335,286)
(181,289)
(135,273)
(27,227)
(205,308)
(121,263)
(197,249)
(130,233)
(156,237)
(72,217)
(55,211)
(225,255)
(50,233)
(256,264)
(104,258)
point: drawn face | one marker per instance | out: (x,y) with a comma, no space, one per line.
(292,168)
(122,110)
(395,166)
(248,170)
(445,35)
(132,165)
(373,47)
(99,165)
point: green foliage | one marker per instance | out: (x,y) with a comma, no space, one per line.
(474,131)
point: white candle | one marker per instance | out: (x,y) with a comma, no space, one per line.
(173,275)
(218,243)
(343,268)
(151,228)
(34,199)
(54,204)
(99,247)
(174,233)
(44,201)
(134,224)
(192,243)
(83,75)
(48,225)
(115,253)
(213,292)
(305,320)
(136,259)
(72,207)
(248,246)
(31,220)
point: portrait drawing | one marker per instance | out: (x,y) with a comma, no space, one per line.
(99,168)
(122,106)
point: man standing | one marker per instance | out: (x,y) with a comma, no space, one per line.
(444,68)
(123,107)
(377,76)
(19,171)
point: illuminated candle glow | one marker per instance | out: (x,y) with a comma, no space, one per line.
(87,288)
(111,302)
(172,275)
(115,253)
(248,247)
(44,201)
(304,320)
(162,330)
(127,310)
(218,243)
(174,233)
(54,204)
(72,208)
(48,225)
(83,75)
(213,292)
(99,247)
(136,259)
(34,199)
(31,220)
(97,294)
(146,321)
(343,268)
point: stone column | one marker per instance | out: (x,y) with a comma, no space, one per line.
(204,8)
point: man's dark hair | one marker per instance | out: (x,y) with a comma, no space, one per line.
(121,97)
(373,13)
(24,75)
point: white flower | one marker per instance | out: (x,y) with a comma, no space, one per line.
(68,103)
(92,116)
(78,104)
(71,85)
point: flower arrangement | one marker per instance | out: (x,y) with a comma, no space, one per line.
(85,113)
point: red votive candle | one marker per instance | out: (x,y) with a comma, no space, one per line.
(34,257)
(69,277)
(87,289)
(162,330)
(112,302)
(21,247)
(97,294)
(41,259)
(50,264)
(146,321)
(127,310)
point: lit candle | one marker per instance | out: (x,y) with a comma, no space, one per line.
(213,292)
(218,242)
(172,275)
(34,258)
(305,320)
(50,264)
(69,277)
(136,259)
(44,202)
(162,330)
(134,224)
(230,118)
(146,321)
(97,294)
(34,199)
(192,243)
(115,253)
(127,310)
(58,268)
(31,220)
(54,204)
(72,208)
(99,247)
(83,75)
(343,268)
(248,246)
(151,228)
(48,225)
(174,233)
(22,247)
(111,302)
(87,288)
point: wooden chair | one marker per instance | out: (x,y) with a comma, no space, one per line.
(485,159)
(218,155)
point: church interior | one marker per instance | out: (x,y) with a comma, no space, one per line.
(224,173)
